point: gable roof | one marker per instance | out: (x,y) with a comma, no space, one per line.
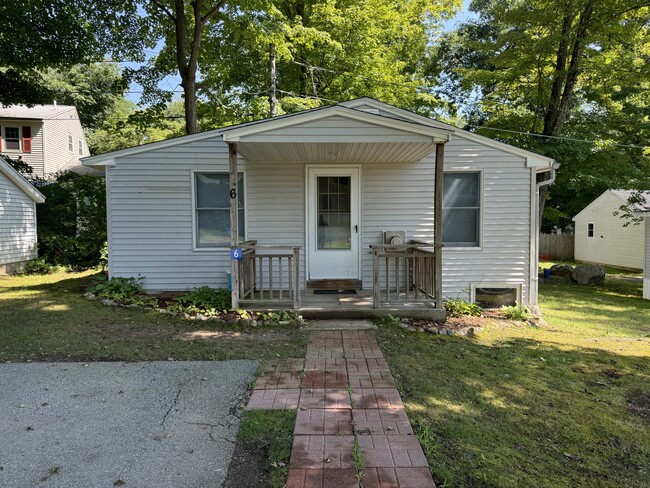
(20,182)
(532,159)
(623,196)
(38,112)
(393,116)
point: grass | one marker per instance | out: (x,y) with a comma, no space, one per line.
(44,318)
(270,431)
(566,405)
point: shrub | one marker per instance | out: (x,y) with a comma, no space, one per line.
(516,312)
(38,267)
(457,307)
(118,289)
(204,300)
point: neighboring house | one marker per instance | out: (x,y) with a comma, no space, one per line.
(602,237)
(341,192)
(47,137)
(18,199)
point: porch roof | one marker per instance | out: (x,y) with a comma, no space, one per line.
(335,134)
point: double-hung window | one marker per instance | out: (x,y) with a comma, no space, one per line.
(12,138)
(212,209)
(461,209)
(70,143)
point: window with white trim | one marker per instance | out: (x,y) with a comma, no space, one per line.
(70,143)
(81,148)
(212,209)
(11,139)
(590,229)
(461,209)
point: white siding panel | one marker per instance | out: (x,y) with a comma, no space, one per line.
(151,233)
(612,243)
(646,269)
(17,224)
(57,152)
(504,256)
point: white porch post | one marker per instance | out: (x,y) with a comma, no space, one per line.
(234,223)
(437,223)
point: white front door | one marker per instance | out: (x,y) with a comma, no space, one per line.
(333,223)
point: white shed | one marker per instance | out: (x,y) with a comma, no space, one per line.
(602,237)
(18,199)
(339,197)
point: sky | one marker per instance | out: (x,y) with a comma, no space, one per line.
(173,82)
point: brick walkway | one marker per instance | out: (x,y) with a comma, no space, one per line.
(351,424)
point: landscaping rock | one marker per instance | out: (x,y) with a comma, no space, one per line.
(589,274)
(108,302)
(432,330)
(563,270)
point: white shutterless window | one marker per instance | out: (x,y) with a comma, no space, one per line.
(212,209)
(461,208)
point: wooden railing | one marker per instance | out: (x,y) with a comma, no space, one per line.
(269,274)
(403,273)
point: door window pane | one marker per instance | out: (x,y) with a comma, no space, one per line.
(333,230)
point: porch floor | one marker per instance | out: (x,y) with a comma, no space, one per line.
(349,306)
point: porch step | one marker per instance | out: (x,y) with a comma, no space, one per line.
(334,285)
(340,325)
(340,313)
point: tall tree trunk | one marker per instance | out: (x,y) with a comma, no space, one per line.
(565,79)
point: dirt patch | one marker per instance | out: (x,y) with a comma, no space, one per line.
(209,335)
(638,403)
(248,466)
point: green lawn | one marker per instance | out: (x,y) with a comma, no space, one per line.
(45,318)
(567,405)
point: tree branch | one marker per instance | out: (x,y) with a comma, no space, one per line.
(164,9)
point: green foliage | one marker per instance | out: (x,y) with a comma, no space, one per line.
(38,266)
(203,300)
(388,320)
(278,317)
(72,221)
(457,307)
(118,289)
(516,312)
(19,165)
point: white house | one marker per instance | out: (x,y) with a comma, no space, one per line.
(47,137)
(18,199)
(602,237)
(337,197)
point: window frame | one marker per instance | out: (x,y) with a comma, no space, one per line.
(481,202)
(591,230)
(70,143)
(506,286)
(81,147)
(195,223)
(4,139)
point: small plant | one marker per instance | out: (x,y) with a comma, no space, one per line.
(457,307)
(388,320)
(279,317)
(38,267)
(118,289)
(358,461)
(516,312)
(203,300)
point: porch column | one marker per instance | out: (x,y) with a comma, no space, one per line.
(437,223)
(234,222)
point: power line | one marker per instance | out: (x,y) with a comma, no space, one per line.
(561,138)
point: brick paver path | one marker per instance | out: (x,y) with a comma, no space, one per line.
(351,427)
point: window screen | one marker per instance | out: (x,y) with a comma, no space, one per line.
(461,209)
(212,191)
(495,297)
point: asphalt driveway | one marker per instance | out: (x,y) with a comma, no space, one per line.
(155,424)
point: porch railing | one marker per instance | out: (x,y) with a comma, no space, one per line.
(403,273)
(269,273)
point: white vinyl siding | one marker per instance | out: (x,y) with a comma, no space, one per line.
(612,243)
(151,209)
(17,224)
(58,129)
(646,269)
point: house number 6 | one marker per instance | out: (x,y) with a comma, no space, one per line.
(233,193)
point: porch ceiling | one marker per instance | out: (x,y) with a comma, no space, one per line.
(336,152)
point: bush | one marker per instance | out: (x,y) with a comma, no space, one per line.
(38,267)
(516,312)
(118,289)
(72,220)
(457,307)
(203,300)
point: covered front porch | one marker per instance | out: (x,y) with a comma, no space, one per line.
(345,243)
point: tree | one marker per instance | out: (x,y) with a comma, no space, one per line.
(559,68)
(38,34)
